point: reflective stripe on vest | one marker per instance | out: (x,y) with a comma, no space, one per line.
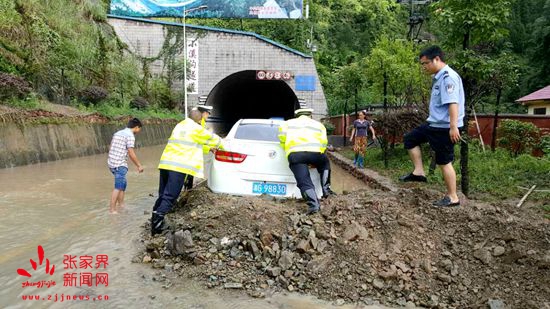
(182,142)
(317,145)
(182,165)
(306,127)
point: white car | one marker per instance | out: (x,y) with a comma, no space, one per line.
(254,162)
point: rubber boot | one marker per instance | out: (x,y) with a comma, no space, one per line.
(355,160)
(360,161)
(325,184)
(313,205)
(157,224)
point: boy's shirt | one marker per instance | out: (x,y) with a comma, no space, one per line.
(118,152)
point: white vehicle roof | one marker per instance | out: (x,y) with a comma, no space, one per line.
(261,121)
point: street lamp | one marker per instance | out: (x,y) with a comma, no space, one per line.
(202,7)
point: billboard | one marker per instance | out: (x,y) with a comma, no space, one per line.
(282,9)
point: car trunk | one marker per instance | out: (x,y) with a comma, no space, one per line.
(264,160)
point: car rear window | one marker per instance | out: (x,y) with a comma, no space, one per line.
(258,132)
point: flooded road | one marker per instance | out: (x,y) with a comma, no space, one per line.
(63,207)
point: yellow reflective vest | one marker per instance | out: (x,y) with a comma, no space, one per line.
(303,134)
(205,149)
(183,153)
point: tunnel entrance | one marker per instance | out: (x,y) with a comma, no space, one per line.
(241,95)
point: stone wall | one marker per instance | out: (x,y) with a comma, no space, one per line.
(222,52)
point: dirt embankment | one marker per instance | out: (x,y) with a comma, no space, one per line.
(55,113)
(364,247)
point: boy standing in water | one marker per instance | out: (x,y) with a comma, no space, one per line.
(122,146)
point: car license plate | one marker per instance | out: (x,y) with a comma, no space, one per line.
(269,188)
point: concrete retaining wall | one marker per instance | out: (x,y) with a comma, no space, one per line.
(22,144)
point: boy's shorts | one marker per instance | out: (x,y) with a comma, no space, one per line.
(120,177)
(439,141)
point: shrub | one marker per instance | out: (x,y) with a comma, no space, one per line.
(399,122)
(93,95)
(329,126)
(162,95)
(139,103)
(518,137)
(545,145)
(12,86)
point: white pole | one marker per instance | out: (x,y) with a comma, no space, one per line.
(184,65)
(478,130)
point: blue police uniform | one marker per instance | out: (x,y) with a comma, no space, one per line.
(446,89)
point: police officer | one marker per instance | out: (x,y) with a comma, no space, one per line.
(205,111)
(442,129)
(305,141)
(182,158)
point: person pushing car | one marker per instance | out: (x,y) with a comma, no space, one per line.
(182,158)
(305,142)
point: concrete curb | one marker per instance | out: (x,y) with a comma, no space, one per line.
(370,177)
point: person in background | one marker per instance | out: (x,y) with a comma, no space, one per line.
(360,130)
(305,141)
(122,147)
(182,158)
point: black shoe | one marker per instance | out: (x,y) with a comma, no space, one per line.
(412,177)
(328,192)
(312,211)
(157,224)
(446,202)
(325,184)
(313,205)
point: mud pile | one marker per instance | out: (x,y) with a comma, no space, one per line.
(364,247)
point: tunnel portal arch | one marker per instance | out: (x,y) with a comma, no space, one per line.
(240,95)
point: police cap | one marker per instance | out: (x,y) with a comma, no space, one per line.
(205,108)
(303,111)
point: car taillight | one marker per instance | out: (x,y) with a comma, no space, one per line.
(231,157)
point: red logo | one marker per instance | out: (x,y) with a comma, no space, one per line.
(24,273)
(260,75)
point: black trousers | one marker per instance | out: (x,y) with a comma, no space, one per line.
(170,185)
(299,165)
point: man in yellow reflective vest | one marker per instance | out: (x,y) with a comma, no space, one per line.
(305,141)
(182,158)
(205,111)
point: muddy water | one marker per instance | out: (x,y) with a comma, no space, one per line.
(62,206)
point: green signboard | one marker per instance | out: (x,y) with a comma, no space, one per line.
(283,9)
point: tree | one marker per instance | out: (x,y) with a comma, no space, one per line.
(463,23)
(398,59)
(345,32)
(523,41)
(541,55)
(504,74)
(467,23)
(351,79)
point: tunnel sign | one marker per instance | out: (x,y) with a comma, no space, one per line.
(305,83)
(273,75)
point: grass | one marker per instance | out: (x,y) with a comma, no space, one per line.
(30,102)
(493,175)
(118,111)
